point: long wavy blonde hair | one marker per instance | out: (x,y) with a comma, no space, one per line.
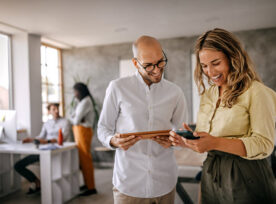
(241,72)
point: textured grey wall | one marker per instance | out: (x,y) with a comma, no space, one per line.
(101,63)
(261,47)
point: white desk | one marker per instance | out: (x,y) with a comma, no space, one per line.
(59,171)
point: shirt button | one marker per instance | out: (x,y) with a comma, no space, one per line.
(149,171)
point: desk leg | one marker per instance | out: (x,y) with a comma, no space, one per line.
(184,196)
(45,175)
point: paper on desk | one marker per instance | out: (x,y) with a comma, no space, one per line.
(49,147)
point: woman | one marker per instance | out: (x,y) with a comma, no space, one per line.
(235,123)
(83,119)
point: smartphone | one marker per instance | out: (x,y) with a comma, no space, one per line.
(186,134)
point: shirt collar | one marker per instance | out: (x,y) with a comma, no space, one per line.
(54,120)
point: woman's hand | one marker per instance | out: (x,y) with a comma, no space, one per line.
(205,143)
(178,140)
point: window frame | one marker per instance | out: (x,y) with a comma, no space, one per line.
(61,84)
(10,71)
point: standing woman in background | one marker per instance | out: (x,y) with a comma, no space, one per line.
(235,123)
(83,119)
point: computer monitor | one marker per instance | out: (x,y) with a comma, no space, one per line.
(8,126)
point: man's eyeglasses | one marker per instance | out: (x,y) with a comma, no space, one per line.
(150,67)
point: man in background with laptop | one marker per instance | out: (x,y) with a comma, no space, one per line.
(49,134)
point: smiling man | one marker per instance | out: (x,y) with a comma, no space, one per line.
(145,171)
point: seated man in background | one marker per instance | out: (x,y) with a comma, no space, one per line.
(48,134)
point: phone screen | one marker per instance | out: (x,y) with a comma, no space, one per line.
(186,134)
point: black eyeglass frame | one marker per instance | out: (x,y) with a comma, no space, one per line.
(154,65)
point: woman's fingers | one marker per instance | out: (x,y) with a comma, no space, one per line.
(186,127)
(188,143)
(191,142)
(201,134)
(173,134)
(174,138)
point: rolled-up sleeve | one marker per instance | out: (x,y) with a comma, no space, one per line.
(260,141)
(108,117)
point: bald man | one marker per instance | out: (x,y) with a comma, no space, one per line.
(145,170)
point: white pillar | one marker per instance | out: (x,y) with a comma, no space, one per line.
(35,84)
(27,81)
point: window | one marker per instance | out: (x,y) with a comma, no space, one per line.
(51,77)
(5,73)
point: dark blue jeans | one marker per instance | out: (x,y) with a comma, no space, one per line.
(21,165)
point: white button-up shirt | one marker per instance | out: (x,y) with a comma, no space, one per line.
(146,169)
(84,113)
(50,129)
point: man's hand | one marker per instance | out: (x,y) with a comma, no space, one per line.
(123,143)
(27,140)
(163,141)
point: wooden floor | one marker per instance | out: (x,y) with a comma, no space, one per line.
(104,187)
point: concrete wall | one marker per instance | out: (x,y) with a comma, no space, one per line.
(101,63)
(261,47)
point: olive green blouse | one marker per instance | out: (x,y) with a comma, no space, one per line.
(251,119)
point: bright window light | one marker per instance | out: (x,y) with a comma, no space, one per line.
(5,95)
(51,77)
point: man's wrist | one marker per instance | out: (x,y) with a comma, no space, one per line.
(112,143)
